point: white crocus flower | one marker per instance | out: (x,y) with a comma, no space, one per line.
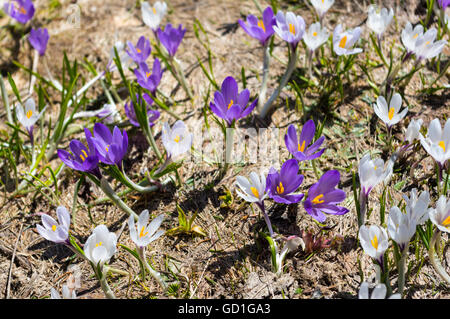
(66,293)
(379,292)
(413,130)
(176,140)
(54,231)
(27,114)
(253,190)
(371,173)
(108,114)
(322,6)
(437,141)
(391,114)
(374,240)
(440,216)
(153,16)
(379,20)
(410,36)
(344,41)
(426,48)
(315,36)
(401,227)
(145,233)
(417,206)
(100,246)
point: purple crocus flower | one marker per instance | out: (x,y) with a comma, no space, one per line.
(300,148)
(444,4)
(147,80)
(281,185)
(111,148)
(153,115)
(262,29)
(39,39)
(21,10)
(171,37)
(82,158)
(323,197)
(141,52)
(231,105)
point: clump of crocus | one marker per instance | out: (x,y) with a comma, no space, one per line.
(391,114)
(437,141)
(231,105)
(417,206)
(321,6)
(38,39)
(141,52)
(110,147)
(27,115)
(171,38)
(21,10)
(261,30)
(290,27)
(176,139)
(379,20)
(54,231)
(153,16)
(280,186)
(291,243)
(149,80)
(300,146)
(153,115)
(343,41)
(323,197)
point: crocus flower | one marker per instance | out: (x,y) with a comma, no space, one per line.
(379,20)
(444,4)
(371,173)
(176,140)
(374,240)
(417,206)
(437,141)
(322,6)
(100,245)
(110,148)
(153,16)
(262,29)
(401,227)
(147,80)
(108,114)
(344,41)
(300,147)
(440,216)
(82,158)
(27,115)
(323,197)
(413,130)
(141,52)
(145,233)
(281,185)
(54,231)
(410,36)
(231,105)
(171,38)
(66,293)
(253,190)
(391,114)
(39,39)
(290,27)
(153,115)
(379,292)
(316,36)
(21,10)
(426,48)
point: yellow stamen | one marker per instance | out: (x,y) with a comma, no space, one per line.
(22,10)
(375,167)
(374,242)
(391,113)
(291,28)
(280,188)
(427,43)
(318,200)
(54,227)
(29,113)
(142,234)
(85,155)
(98,244)
(343,42)
(177,139)
(261,25)
(416,35)
(302,147)
(446,222)
(82,157)
(148,74)
(254,191)
(315,34)
(154,10)
(442,145)
(138,50)
(231,103)
(107,148)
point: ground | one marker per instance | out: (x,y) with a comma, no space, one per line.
(232,261)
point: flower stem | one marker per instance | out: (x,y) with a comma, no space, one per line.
(152,142)
(180,77)
(107,189)
(266,218)
(105,287)
(434,259)
(265,75)
(154,273)
(401,269)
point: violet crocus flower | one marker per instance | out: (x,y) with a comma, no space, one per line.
(281,185)
(82,159)
(110,147)
(153,115)
(39,39)
(262,29)
(323,197)
(147,80)
(299,147)
(231,105)
(290,27)
(21,10)
(171,38)
(54,231)
(141,52)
